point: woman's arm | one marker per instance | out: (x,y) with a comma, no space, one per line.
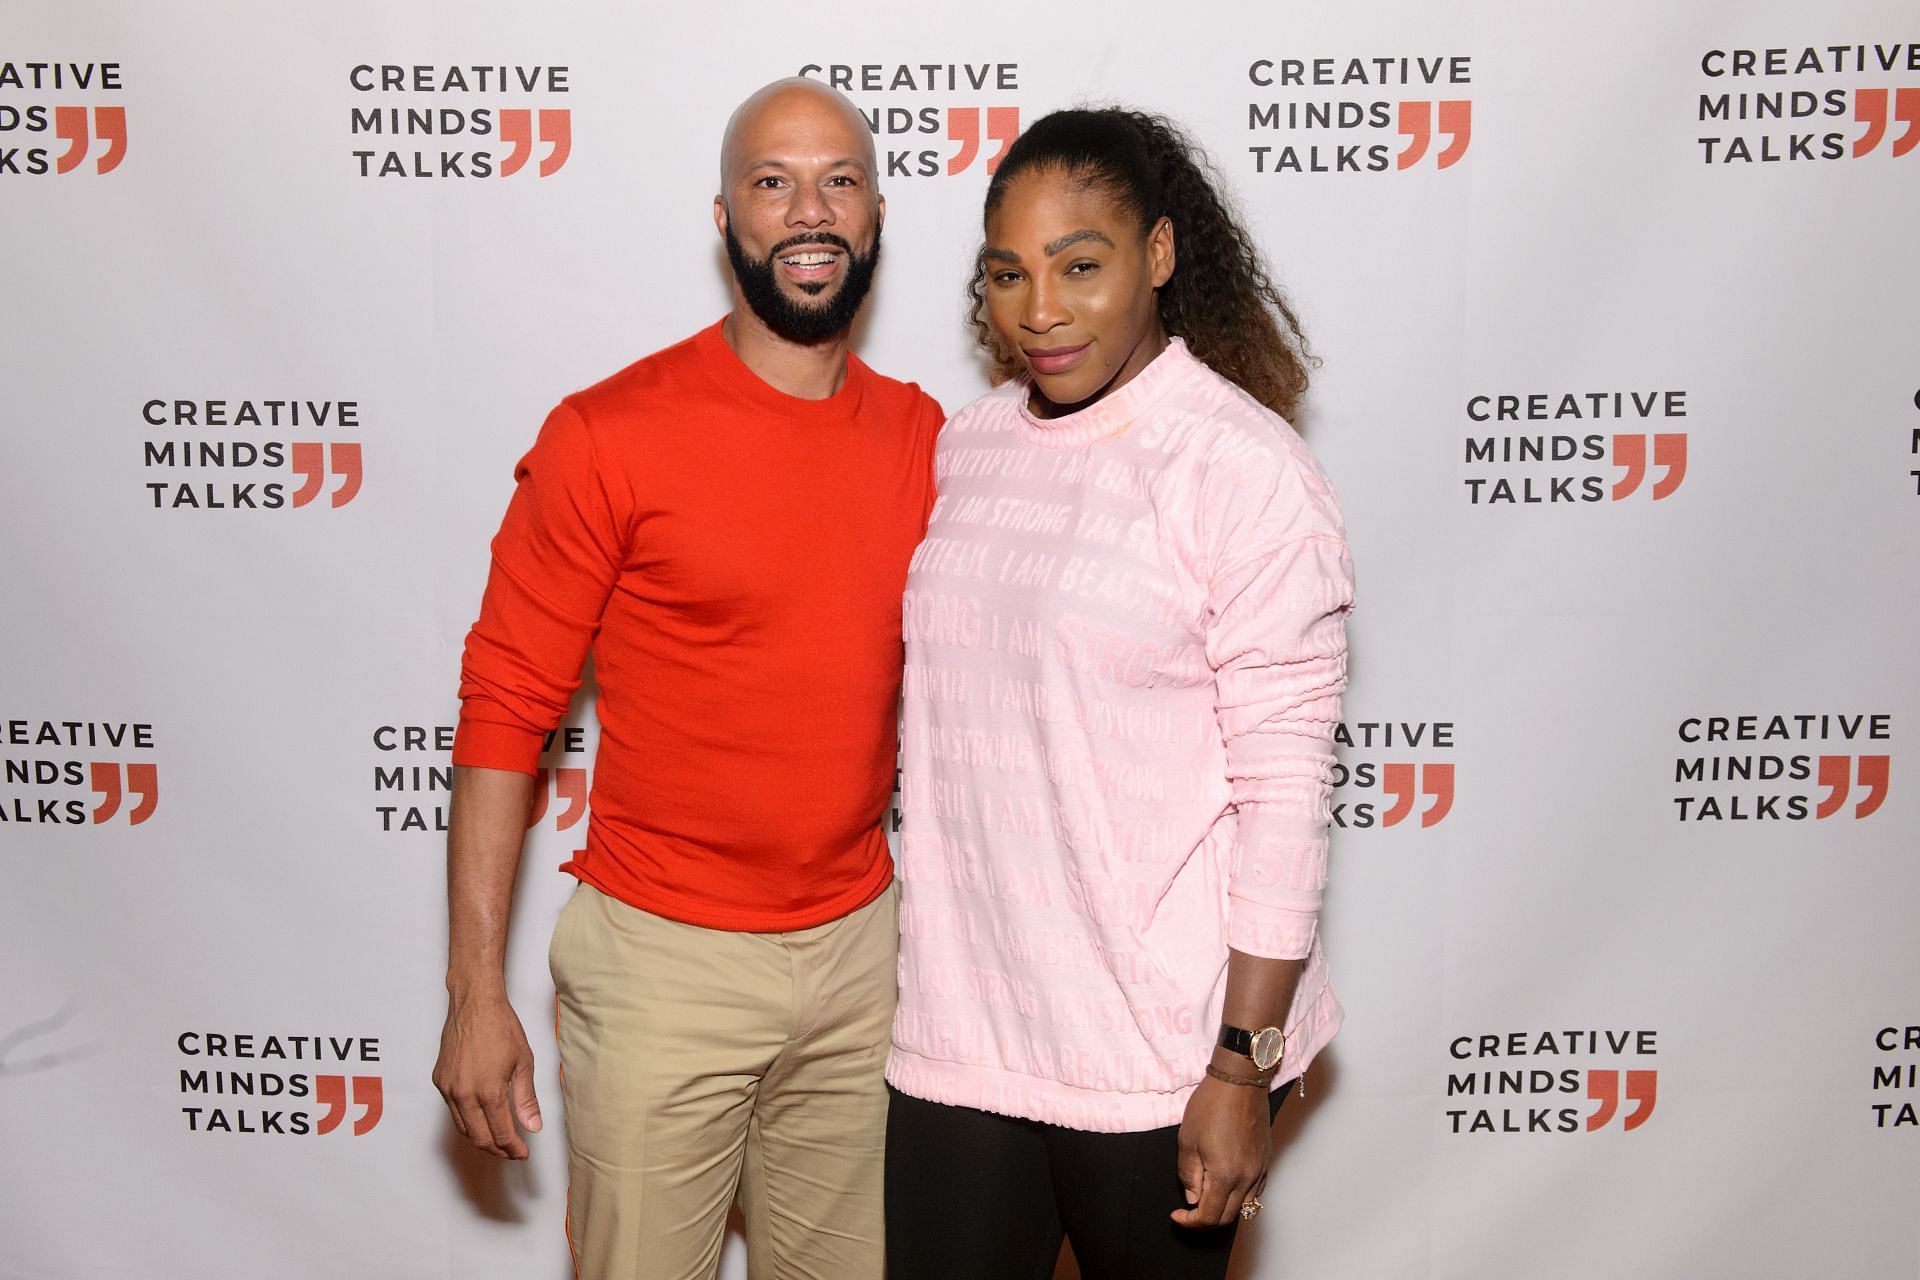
(1226,1137)
(1276,639)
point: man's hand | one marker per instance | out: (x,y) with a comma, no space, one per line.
(1226,1142)
(485,1073)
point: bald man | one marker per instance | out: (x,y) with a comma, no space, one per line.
(726,525)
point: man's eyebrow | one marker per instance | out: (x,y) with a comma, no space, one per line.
(784,166)
(1075,237)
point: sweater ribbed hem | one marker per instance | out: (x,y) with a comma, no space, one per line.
(708,914)
(1025,1097)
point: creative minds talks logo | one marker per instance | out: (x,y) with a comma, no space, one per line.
(1529,1082)
(1896,1077)
(1556,447)
(250,455)
(1393,772)
(934,119)
(270,1084)
(1913,448)
(1379,114)
(55,117)
(1783,768)
(426,121)
(413,778)
(78,772)
(1809,102)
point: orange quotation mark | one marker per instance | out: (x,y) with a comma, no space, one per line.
(1870,109)
(570,785)
(331,1093)
(1416,125)
(1603,1087)
(309,463)
(963,127)
(1397,780)
(142,779)
(1669,453)
(556,130)
(109,124)
(1837,775)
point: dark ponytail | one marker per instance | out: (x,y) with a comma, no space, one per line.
(1221,299)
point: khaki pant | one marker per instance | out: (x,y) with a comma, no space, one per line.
(697,1064)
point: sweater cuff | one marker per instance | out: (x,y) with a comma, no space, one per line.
(1270,932)
(484,744)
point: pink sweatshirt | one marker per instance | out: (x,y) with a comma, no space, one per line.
(1126,646)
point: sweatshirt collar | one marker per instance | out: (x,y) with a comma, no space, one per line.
(1111,413)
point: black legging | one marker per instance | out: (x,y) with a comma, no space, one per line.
(976,1196)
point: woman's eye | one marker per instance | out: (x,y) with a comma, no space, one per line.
(1005,277)
(1083,268)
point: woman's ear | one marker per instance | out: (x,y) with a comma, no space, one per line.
(1161,257)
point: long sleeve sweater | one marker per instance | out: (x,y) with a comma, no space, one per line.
(1126,647)
(734,556)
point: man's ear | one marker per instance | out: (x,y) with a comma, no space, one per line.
(720,215)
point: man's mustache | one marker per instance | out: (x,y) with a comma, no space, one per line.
(810,237)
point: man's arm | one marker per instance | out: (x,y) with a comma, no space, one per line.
(485,1069)
(554,564)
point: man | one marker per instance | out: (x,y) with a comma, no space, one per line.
(727,523)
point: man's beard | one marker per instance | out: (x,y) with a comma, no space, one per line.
(800,321)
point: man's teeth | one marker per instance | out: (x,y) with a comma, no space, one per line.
(807,259)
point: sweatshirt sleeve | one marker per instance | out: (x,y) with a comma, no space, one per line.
(555,560)
(1277,642)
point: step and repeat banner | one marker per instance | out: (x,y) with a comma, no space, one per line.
(1620,389)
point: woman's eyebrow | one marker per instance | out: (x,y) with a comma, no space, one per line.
(997,254)
(1075,237)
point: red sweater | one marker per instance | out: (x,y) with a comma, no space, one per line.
(735,558)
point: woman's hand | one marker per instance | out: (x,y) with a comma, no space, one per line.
(1226,1142)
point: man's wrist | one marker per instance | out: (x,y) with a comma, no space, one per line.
(465,986)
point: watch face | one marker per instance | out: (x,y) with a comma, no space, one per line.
(1267,1046)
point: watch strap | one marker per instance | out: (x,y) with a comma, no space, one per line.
(1236,1040)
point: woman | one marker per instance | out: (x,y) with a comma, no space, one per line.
(1125,652)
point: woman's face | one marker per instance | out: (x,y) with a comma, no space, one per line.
(1070,284)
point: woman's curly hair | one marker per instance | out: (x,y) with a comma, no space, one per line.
(1221,299)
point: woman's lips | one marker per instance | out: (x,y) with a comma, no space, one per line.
(1055,359)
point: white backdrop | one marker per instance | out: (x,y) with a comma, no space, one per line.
(1538,685)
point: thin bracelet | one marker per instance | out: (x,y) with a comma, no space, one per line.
(1254,1082)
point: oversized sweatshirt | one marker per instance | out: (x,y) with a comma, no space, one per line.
(1126,647)
(734,556)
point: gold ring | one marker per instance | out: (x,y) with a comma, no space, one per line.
(1249,1208)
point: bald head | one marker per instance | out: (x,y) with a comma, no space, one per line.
(795,118)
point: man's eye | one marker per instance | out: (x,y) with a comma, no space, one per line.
(768,181)
(841,180)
